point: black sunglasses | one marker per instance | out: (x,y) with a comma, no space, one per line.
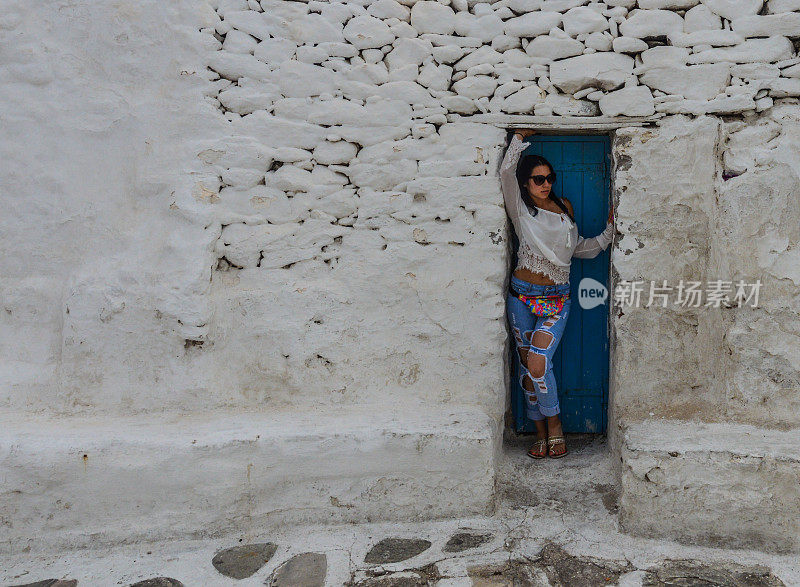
(540,179)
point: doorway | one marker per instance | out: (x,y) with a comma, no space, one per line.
(583,166)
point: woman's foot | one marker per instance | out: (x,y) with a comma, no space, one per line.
(555,442)
(556,447)
(539,449)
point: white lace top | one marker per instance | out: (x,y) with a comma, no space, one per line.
(548,240)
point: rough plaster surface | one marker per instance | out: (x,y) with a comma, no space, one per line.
(80,482)
(739,482)
(681,220)
(276,205)
(576,515)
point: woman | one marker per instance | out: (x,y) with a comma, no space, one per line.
(538,300)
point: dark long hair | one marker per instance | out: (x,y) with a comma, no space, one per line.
(524,169)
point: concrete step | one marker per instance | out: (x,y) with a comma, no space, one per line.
(74,482)
(730,485)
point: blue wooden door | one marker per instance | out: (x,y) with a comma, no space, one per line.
(582,165)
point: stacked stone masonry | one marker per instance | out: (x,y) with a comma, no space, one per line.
(543,57)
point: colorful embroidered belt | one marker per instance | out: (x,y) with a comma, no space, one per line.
(542,305)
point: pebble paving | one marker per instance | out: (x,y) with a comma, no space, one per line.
(244,560)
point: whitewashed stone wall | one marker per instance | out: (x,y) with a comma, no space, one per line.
(291,206)
(543,57)
(303,207)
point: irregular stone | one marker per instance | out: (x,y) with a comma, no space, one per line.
(406,91)
(532,24)
(599,41)
(158,582)
(504,43)
(583,20)
(233,66)
(239,42)
(258,24)
(466,540)
(433,17)
(482,55)
(302,570)
(778,6)
(560,5)
(486,28)
(475,86)
(409,52)
(439,40)
(643,24)
(393,550)
(369,74)
(781,87)
(764,103)
(563,105)
(751,51)
(551,47)
(50,583)
(519,58)
(731,9)
(520,6)
(315,28)
(563,568)
(689,572)
(634,101)
(722,104)
(700,18)
(695,82)
(512,572)
(245,560)
(668,4)
(747,71)
(665,55)
(792,71)
(249,98)
(301,80)
(606,71)
(459,104)
(384,9)
(787,24)
(524,101)
(435,77)
(449,54)
(629,45)
(335,12)
(275,51)
(367,32)
(713,38)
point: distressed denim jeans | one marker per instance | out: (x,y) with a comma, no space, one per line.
(541,394)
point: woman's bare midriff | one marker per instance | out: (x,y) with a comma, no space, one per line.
(531,277)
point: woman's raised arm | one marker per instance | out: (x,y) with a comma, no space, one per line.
(508,180)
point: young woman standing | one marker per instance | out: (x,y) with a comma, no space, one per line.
(538,301)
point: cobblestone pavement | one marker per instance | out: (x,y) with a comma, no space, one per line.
(556,526)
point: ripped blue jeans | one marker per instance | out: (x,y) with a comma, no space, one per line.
(541,394)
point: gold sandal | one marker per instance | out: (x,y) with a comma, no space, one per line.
(539,445)
(553,440)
